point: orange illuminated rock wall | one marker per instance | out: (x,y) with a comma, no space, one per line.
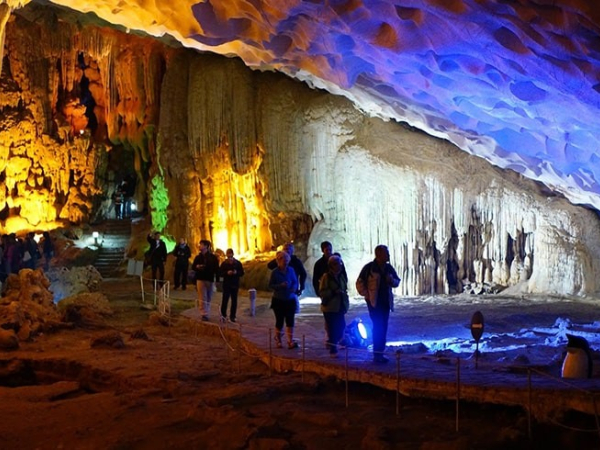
(56,145)
(53,163)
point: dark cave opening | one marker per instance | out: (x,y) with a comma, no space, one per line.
(85,97)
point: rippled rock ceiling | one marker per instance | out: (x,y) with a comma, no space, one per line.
(516,82)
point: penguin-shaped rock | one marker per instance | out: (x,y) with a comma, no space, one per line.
(578,361)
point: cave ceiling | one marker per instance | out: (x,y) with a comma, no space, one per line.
(516,82)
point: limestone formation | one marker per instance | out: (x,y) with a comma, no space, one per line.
(27,307)
(85,309)
(251,160)
(77,280)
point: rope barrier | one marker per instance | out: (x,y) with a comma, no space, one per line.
(483,367)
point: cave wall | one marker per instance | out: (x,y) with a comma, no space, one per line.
(252,160)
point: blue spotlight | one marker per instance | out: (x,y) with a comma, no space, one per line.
(362,330)
(357,334)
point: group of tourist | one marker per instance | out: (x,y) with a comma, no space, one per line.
(206,271)
(123,198)
(287,281)
(17,253)
(330,282)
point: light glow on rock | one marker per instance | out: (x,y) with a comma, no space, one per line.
(515,83)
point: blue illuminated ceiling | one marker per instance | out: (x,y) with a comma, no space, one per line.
(516,82)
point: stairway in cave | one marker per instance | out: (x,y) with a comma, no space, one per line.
(114,241)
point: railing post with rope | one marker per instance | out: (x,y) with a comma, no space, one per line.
(142,288)
(457,391)
(346,375)
(596,413)
(270,352)
(397,383)
(240,349)
(303,354)
(529,403)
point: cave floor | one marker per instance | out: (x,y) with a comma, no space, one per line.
(184,383)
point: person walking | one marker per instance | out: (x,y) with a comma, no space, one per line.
(158,256)
(182,254)
(295,263)
(230,271)
(206,266)
(47,250)
(284,284)
(118,200)
(375,283)
(32,252)
(321,265)
(333,289)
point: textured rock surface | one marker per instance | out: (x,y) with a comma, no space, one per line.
(251,160)
(27,307)
(516,83)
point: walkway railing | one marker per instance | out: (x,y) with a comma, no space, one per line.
(243,340)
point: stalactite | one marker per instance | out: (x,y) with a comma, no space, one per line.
(4,15)
(221,111)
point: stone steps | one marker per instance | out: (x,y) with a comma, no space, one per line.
(114,241)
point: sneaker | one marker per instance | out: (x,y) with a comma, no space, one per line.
(292,345)
(223,319)
(205,318)
(232,320)
(278,342)
(380,359)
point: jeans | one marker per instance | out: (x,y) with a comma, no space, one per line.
(205,292)
(229,291)
(379,316)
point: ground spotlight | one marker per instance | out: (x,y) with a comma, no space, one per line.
(357,334)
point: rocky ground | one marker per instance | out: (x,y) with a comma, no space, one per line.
(131,382)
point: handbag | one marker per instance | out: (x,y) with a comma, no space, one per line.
(26,256)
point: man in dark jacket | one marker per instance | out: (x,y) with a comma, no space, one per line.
(230,271)
(206,266)
(375,283)
(182,254)
(321,266)
(158,255)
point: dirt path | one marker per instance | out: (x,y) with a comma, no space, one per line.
(177,390)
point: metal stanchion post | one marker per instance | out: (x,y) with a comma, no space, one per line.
(142,287)
(252,298)
(155,295)
(530,403)
(397,383)
(346,373)
(270,353)
(303,354)
(240,351)
(596,413)
(457,390)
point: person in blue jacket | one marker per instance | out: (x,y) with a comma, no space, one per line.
(284,284)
